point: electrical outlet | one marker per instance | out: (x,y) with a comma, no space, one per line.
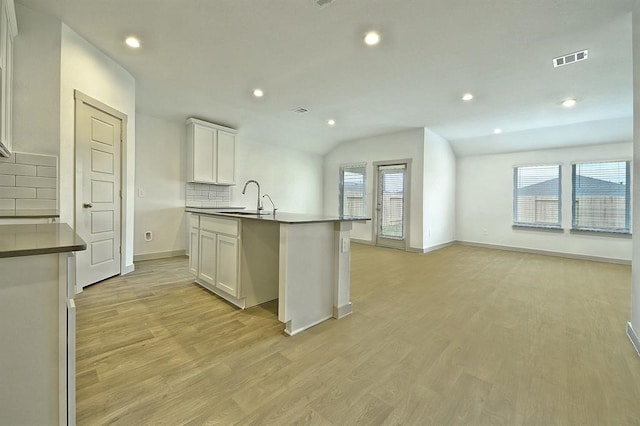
(140,193)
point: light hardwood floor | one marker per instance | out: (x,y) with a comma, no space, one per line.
(463,335)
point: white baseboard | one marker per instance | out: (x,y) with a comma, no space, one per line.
(635,341)
(128,269)
(158,255)
(546,252)
(432,248)
(365,242)
(342,311)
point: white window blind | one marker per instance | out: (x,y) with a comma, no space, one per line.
(353,190)
(536,196)
(602,196)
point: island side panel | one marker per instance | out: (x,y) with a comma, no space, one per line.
(307,272)
(342,284)
(29,310)
(259,263)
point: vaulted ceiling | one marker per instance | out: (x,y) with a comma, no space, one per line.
(203,58)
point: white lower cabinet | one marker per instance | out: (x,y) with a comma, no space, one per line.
(227,264)
(193,251)
(208,258)
(215,256)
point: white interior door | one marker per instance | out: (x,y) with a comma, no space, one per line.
(391,212)
(98,192)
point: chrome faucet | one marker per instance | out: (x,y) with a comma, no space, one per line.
(272,204)
(259,205)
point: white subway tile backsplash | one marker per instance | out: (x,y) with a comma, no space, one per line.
(17,169)
(205,195)
(6,204)
(28,182)
(36,159)
(7,180)
(36,204)
(37,182)
(46,171)
(46,193)
(17,192)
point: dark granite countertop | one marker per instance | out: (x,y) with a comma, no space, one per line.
(46,238)
(281,217)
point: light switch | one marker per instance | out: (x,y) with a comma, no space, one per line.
(140,193)
(345,245)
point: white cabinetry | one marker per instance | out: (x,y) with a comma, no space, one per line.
(236,259)
(211,153)
(8,30)
(216,246)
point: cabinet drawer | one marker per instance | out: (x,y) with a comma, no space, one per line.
(220,225)
(194,221)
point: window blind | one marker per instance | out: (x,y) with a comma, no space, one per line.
(536,195)
(353,190)
(601,196)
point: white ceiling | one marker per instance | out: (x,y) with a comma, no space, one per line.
(203,58)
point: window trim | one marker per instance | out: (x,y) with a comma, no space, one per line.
(536,225)
(598,230)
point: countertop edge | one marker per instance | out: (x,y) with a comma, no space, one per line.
(270,218)
(39,239)
(43,250)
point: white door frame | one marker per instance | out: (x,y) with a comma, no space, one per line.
(407,200)
(81,98)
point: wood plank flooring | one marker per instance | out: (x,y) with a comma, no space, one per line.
(463,335)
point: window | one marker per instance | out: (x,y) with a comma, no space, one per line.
(536,196)
(352,190)
(601,196)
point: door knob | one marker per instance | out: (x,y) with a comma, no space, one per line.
(87,205)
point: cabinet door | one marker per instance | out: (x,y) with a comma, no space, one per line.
(227,264)
(226,164)
(204,154)
(207,263)
(193,251)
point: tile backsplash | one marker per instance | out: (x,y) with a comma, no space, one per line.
(29,182)
(206,195)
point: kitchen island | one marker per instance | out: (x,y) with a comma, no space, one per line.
(249,258)
(37,323)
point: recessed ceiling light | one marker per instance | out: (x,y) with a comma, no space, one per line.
(258,93)
(372,38)
(467,97)
(331,122)
(132,42)
(569,103)
(497,131)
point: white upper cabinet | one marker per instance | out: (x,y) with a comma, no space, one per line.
(8,30)
(211,153)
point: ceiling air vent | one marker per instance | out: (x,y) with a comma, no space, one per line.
(570,58)
(300,110)
(322,3)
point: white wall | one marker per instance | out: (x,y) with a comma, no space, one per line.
(292,178)
(36,84)
(160,185)
(485,202)
(439,202)
(87,69)
(396,146)
(635,287)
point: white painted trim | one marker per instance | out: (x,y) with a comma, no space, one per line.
(126,269)
(432,248)
(159,255)
(365,242)
(633,336)
(306,327)
(342,311)
(546,252)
